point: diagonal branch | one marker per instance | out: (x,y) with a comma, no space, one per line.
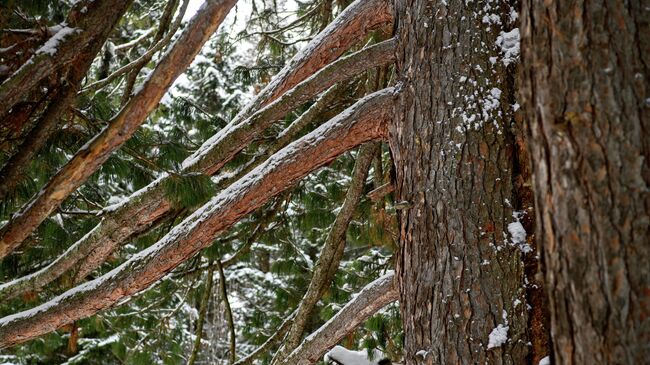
(86,20)
(368,301)
(120,128)
(364,121)
(12,171)
(150,203)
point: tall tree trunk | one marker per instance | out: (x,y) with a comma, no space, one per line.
(461,279)
(586,92)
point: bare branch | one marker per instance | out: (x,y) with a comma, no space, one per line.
(363,122)
(368,301)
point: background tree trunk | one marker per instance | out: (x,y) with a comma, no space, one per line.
(460,277)
(585,88)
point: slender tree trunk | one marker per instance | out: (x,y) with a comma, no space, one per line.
(461,279)
(587,105)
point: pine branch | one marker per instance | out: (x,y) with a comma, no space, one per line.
(119,130)
(363,122)
(150,203)
(85,21)
(12,172)
(203,310)
(226,303)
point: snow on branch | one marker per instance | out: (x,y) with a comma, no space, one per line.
(368,301)
(364,121)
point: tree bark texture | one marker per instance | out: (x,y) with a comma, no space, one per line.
(587,102)
(12,171)
(87,19)
(461,279)
(363,122)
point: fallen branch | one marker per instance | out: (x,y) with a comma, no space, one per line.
(364,121)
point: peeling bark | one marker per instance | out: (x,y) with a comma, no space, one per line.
(363,122)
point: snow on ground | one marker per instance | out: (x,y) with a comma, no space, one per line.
(349,357)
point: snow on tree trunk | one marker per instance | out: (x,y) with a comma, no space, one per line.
(461,279)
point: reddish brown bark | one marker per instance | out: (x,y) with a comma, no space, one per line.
(11,173)
(363,122)
(461,280)
(150,204)
(88,19)
(586,97)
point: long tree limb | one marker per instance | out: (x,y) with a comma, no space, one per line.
(226,304)
(120,128)
(85,21)
(328,260)
(148,205)
(138,63)
(203,310)
(363,122)
(349,25)
(11,172)
(367,302)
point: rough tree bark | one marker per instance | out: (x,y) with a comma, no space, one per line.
(461,280)
(120,128)
(586,94)
(363,122)
(86,21)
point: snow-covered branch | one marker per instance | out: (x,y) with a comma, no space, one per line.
(368,301)
(364,121)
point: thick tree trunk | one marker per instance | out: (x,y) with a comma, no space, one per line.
(587,103)
(461,279)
